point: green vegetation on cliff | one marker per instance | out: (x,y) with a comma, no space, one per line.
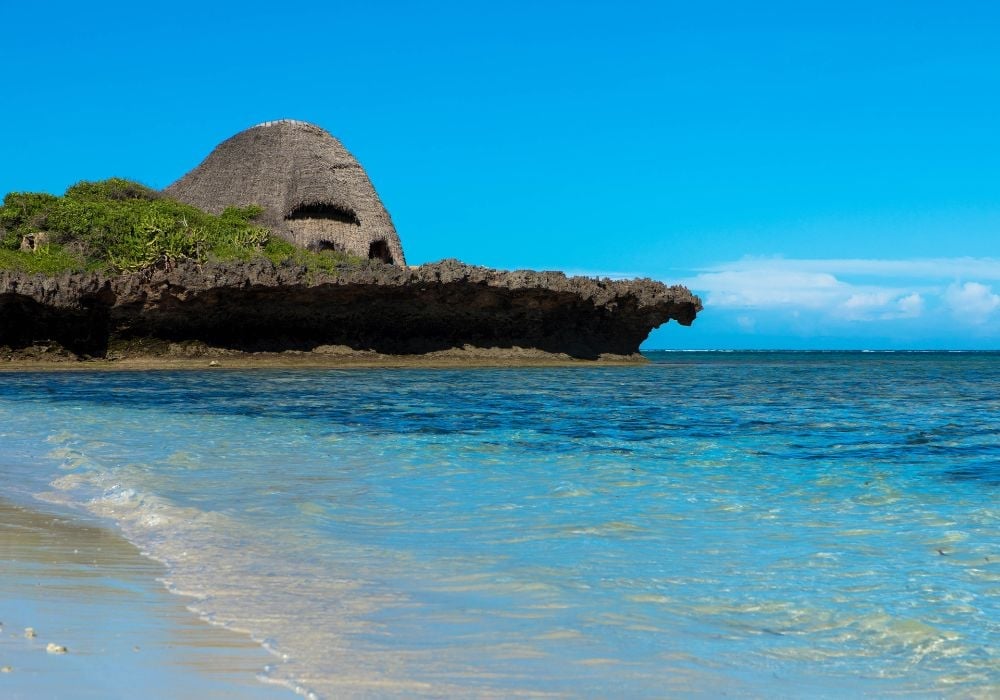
(119,225)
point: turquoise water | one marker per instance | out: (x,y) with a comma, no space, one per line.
(749,524)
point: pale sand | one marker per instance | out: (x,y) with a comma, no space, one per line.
(447,359)
(86,588)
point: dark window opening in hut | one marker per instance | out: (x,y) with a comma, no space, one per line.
(379,250)
(324,211)
(320,246)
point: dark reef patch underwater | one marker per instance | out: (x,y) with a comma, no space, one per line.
(762,524)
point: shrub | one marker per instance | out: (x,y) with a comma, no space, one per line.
(113,189)
(122,225)
(49,259)
(23,213)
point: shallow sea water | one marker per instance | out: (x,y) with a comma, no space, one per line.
(748,524)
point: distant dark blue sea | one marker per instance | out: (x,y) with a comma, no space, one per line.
(745,524)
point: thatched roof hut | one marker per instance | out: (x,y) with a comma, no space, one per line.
(313,191)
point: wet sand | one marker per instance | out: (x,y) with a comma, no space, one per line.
(87,589)
(306,360)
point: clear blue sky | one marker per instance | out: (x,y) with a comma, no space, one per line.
(825,174)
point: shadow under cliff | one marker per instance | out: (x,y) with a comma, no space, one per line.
(261,307)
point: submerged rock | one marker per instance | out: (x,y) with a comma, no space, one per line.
(259,306)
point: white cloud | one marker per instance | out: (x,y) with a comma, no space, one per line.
(862,305)
(852,290)
(972,301)
(924,268)
(910,306)
(780,284)
(881,305)
(753,288)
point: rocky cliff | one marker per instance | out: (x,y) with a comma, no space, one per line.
(258,306)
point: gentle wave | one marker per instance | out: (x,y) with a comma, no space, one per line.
(755,527)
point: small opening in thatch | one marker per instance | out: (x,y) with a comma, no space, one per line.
(318,210)
(320,246)
(379,250)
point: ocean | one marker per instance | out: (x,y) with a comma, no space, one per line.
(744,524)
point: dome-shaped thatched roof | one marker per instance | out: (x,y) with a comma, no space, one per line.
(313,191)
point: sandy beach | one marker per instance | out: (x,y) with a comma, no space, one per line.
(334,359)
(85,588)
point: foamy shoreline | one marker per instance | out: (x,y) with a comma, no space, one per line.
(85,588)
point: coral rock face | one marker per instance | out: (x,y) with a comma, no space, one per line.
(258,306)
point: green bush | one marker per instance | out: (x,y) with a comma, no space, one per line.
(49,259)
(23,213)
(155,239)
(119,225)
(112,189)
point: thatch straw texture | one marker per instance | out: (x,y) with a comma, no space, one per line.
(313,191)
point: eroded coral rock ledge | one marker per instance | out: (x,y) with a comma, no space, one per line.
(390,310)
